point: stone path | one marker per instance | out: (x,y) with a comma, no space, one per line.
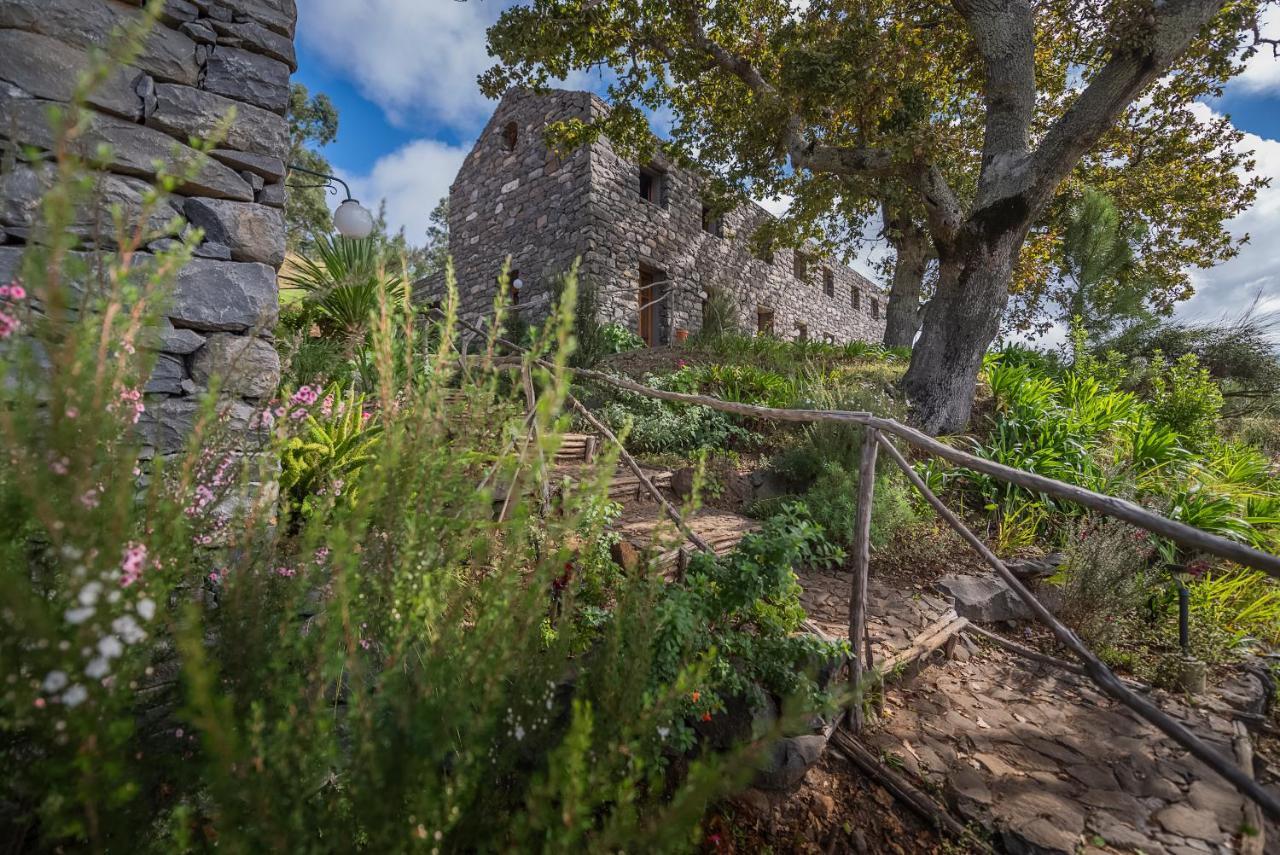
(1053,765)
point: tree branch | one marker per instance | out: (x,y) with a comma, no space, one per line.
(1175,24)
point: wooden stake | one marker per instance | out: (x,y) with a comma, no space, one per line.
(1255,843)
(861,563)
(1093,666)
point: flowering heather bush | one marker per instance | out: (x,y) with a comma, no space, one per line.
(399,670)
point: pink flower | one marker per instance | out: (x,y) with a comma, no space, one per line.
(90,498)
(72,413)
(322,554)
(305,396)
(286,572)
(8,325)
(326,406)
(135,561)
(131,399)
(17,292)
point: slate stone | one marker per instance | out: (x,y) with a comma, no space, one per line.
(46,68)
(253,232)
(185,112)
(167,338)
(134,149)
(213,249)
(1187,821)
(985,599)
(248,77)
(254,180)
(785,763)
(200,32)
(165,53)
(268,167)
(224,296)
(242,365)
(166,423)
(166,376)
(22,189)
(253,36)
(273,195)
(279,15)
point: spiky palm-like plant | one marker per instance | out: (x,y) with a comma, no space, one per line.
(344,279)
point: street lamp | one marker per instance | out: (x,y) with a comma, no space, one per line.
(352,219)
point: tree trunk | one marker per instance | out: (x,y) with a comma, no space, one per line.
(911,256)
(961,320)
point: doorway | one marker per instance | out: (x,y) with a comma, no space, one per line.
(652,307)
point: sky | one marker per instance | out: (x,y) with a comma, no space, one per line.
(402,74)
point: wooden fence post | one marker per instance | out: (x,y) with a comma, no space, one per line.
(858,642)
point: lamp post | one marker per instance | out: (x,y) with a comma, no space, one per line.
(352,219)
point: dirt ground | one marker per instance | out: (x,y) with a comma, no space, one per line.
(836,809)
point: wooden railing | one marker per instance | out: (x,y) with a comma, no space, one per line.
(877,431)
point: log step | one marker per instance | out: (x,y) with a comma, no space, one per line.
(934,636)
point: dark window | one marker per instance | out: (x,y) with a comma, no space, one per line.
(828,282)
(765,253)
(875,308)
(651,186)
(514,285)
(855,297)
(800,265)
(510,135)
(764,321)
(802,332)
(711,224)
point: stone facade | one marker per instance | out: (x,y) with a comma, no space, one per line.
(514,197)
(204,58)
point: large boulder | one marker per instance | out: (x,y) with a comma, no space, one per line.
(784,764)
(166,53)
(224,296)
(252,232)
(46,68)
(133,149)
(984,599)
(166,423)
(243,365)
(248,77)
(187,112)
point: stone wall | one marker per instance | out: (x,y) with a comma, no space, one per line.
(510,202)
(205,58)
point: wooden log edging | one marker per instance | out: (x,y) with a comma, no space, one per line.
(1094,667)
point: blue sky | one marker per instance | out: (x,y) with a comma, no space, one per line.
(402,74)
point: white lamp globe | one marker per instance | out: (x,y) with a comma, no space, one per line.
(353,220)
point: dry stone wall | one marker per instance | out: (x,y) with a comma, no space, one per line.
(511,201)
(204,59)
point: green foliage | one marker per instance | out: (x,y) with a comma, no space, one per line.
(1098,250)
(346,283)
(320,463)
(452,685)
(654,426)
(741,613)
(1104,578)
(719,315)
(617,338)
(1245,604)
(313,123)
(1185,397)
(594,340)
(743,384)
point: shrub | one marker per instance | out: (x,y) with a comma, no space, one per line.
(1104,578)
(1185,397)
(320,463)
(655,426)
(719,315)
(346,282)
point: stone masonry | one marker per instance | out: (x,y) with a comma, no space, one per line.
(514,197)
(204,58)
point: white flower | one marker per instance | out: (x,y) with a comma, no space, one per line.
(110,646)
(89,593)
(97,668)
(519,733)
(54,681)
(146,608)
(664,732)
(75,696)
(127,628)
(78,616)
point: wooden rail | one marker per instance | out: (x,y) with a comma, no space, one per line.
(874,438)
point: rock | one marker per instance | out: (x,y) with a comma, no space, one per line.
(985,599)
(787,760)
(47,68)
(165,53)
(1244,691)
(1187,821)
(213,249)
(242,365)
(167,423)
(224,296)
(255,37)
(200,32)
(186,112)
(278,15)
(253,232)
(625,555)
(133,149)
(270,168)
(169,339)
(1222,801)
(248,77)
(23,188)
(823,806)
(166,377)
(682,482)
(969,790)
(254,180)
(767,484)
(1030,569)
(272,194)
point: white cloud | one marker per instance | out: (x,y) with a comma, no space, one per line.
(778,205)
(1262,72)
(410,57)
(411,180)
(1230,287)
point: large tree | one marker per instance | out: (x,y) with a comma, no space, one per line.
(970,116)
(313,122)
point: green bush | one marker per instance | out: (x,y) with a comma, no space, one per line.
(1185,397)
(1104,578)
(654,426)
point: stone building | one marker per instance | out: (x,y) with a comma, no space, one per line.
(204,58)
(645,239)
